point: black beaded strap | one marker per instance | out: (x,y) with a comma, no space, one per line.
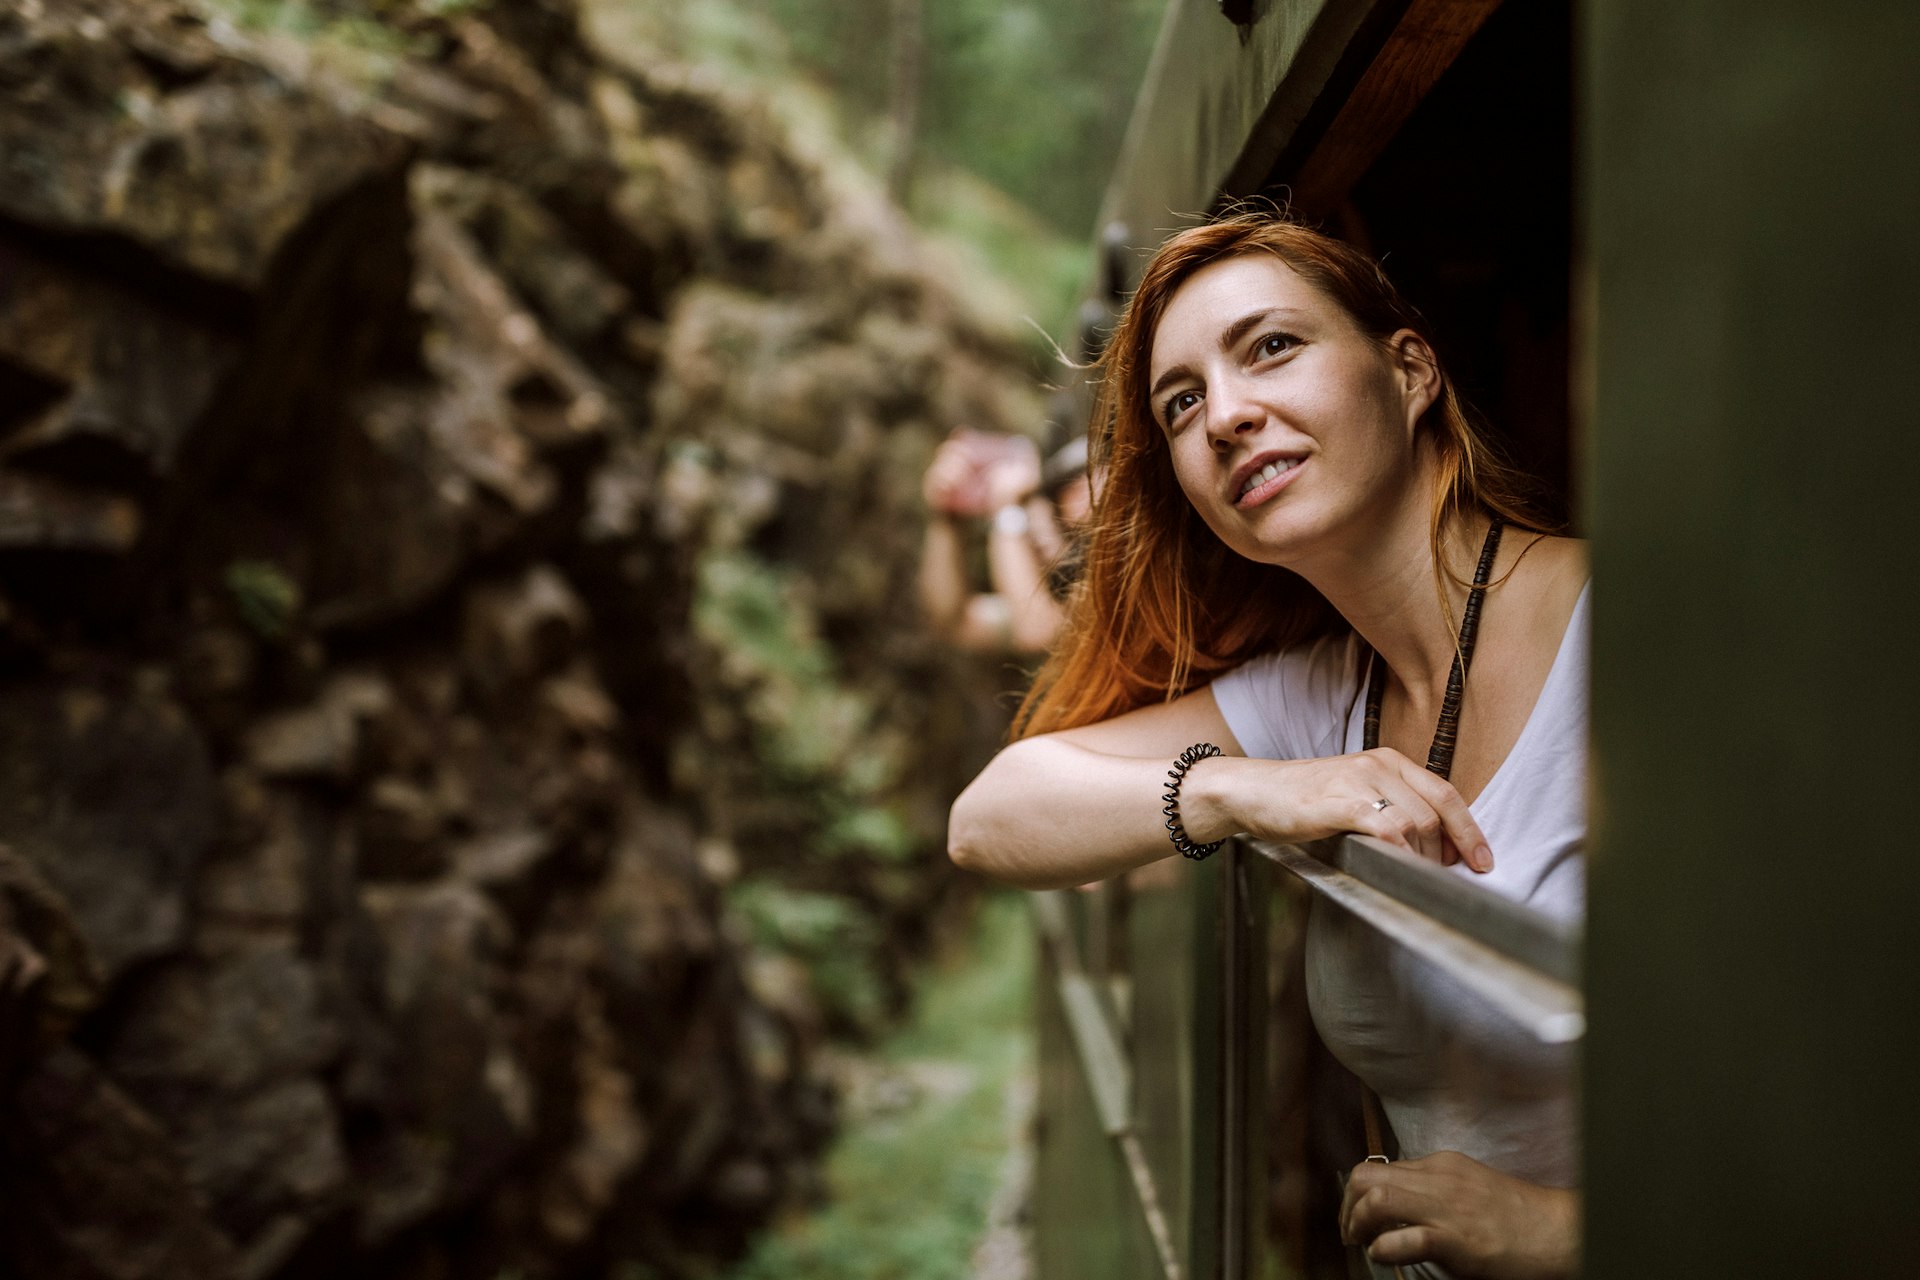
(1447,731)
(1175,776)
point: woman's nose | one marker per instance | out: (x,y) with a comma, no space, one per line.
(1231,411)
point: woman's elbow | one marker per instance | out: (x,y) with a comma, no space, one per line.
(965,856)
(975,843)
(985,861)
(966,842)
(1002,826)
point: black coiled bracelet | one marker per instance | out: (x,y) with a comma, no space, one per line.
(1175,776)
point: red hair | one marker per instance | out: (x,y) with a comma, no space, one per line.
(1163,605)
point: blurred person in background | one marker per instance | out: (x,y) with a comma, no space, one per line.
(1032,512)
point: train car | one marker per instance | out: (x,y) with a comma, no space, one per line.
(1674,248)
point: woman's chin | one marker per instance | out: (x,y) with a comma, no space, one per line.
(1273,535)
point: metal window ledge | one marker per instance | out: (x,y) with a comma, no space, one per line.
(1523,963)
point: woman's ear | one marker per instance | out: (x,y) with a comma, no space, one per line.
(1418,371)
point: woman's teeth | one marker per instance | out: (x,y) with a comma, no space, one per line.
(1265,474)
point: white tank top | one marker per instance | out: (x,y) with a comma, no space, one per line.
(1452,1073)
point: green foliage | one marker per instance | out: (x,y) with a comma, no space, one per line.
(365,43)
(995,237)
(796,921)
(748,608)
(911,1185)
(806,723)
(1032,95)
(869,831)
(813,733)
(265,597)
(837,941)
(819,758)
(1024,104)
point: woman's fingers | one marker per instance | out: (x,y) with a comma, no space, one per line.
(1381,1197)
(1406,820)
(1363,1179)
(1403,1245)
(1424,813)
(1453,1210)
(1392,1211)
(1456,820)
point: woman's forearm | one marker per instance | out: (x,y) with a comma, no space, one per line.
(1059,809)
(1047,813)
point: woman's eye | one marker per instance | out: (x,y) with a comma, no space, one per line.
(1179,402)
(1275,344)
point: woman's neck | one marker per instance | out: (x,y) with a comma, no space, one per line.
(1385,589)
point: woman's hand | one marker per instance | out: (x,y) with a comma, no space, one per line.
(1308,799)
(1453,1210)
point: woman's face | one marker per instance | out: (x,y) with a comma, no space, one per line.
(1286,424)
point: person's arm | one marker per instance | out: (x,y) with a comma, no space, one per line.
(1019,618)
(1048,538)
(1475,1221)
(1016,561)
(953,489)
(1033,616)
(980,622)
(1084,804)
(943,574)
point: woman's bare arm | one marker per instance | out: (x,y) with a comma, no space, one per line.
(1085,804)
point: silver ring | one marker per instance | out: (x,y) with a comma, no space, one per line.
(1382,803)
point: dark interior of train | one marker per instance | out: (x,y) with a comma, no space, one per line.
(1471,208)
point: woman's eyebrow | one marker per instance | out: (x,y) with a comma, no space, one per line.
(1229,338)
(1172,375)
(1231,335)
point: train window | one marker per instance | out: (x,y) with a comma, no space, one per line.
(1470,206)
(1204,1113)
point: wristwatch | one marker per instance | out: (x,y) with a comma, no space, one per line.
(1011,518)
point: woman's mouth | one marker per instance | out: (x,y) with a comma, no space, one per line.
(1266,482)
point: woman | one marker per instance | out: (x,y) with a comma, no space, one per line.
(1297,504)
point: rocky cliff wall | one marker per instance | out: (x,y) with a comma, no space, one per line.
(462,733)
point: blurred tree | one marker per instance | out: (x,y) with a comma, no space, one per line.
(1032,95)
(909,56)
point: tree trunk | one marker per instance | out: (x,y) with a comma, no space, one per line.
(909,55)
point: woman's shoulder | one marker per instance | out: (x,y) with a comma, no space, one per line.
(1292,703)
(1557,565)
(1330,653)
(1546,580)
